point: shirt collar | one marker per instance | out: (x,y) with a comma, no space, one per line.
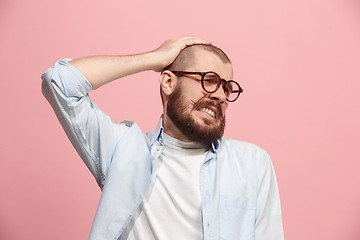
(215,146)
(155,135)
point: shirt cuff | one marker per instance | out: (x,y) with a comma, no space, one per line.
(71,80)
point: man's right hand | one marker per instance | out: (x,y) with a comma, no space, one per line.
(170,49)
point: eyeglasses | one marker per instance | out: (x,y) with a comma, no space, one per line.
(211,81)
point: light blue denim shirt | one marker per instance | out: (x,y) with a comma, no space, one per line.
(238,187)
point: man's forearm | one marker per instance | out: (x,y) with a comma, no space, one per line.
(100,70)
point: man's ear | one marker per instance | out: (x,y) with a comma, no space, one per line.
(168,82)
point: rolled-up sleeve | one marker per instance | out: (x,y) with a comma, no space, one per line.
(91,131)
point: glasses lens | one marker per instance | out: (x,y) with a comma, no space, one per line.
(232,90)
(211,82)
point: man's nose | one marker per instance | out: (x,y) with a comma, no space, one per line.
(219,95)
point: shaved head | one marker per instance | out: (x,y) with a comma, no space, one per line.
(187,55)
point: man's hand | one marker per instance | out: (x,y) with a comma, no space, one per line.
(170,49)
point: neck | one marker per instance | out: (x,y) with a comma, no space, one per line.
(171,130)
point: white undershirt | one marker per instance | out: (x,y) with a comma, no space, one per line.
(172,209)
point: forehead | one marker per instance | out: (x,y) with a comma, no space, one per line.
(205,61)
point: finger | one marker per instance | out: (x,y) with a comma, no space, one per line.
(190,40)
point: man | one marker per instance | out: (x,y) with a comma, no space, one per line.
(183,180)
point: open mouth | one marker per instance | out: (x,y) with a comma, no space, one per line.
(207,111)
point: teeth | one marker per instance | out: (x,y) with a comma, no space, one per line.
(207,111)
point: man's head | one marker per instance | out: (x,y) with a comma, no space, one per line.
(187,56)
(190,113)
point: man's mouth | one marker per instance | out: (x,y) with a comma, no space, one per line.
(207,111)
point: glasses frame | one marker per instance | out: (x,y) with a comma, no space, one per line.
(222,82)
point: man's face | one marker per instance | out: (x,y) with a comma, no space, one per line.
(200,116)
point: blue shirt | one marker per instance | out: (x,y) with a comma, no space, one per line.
(238,187)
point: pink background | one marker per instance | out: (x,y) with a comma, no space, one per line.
(298,61)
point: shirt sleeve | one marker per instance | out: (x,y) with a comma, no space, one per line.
(268,215)
(90,130)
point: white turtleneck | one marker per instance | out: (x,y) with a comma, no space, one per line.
(172,209)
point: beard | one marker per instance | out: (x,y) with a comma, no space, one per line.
(206,133)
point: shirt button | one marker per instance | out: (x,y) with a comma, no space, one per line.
(158,148)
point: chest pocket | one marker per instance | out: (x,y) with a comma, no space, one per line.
(237,217)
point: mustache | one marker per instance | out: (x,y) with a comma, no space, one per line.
(205,103)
